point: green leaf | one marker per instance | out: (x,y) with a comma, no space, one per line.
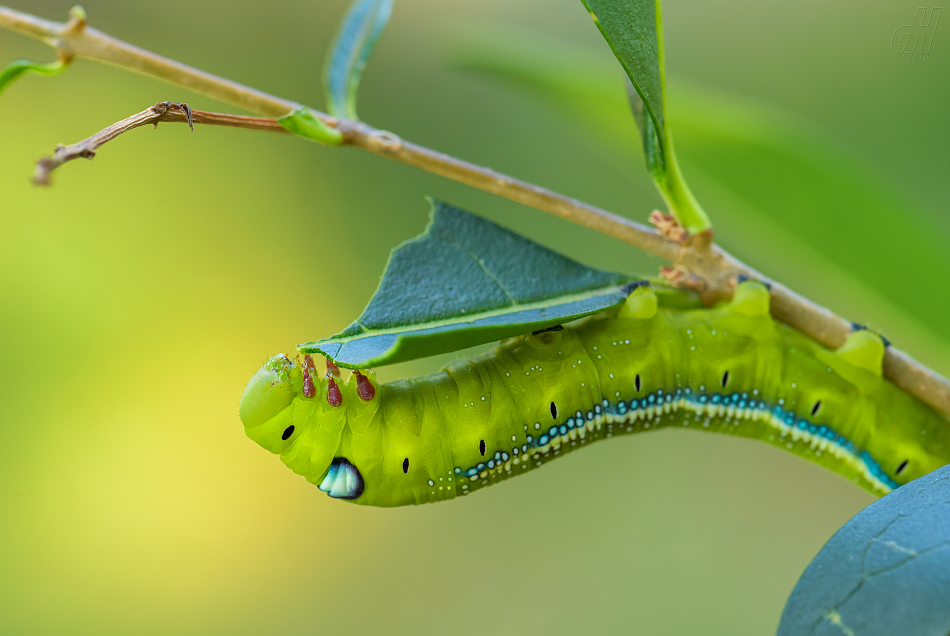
(304,123)
(631,28)
(634,31)
(652,149)
(467,281)
(360,29)
(885,572)
(15,69)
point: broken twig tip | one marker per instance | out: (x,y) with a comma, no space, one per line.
(77,19)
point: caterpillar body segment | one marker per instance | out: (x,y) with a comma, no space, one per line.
(729,369)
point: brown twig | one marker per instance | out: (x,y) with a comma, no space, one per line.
(388,145)
(160,112)
(697,255)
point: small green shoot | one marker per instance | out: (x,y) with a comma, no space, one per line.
(304,123)
(15,69)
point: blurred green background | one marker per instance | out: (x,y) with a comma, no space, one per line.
(138,295)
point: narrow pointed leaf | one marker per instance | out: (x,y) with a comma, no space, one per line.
(633,29)
(630,28)
(467,281)
(652,150)
(358,33)
(15,69)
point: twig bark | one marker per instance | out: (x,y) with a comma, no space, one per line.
(389,145)
(698,255)
(160,112)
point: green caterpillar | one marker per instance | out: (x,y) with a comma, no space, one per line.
(729,369)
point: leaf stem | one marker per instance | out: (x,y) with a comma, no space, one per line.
(679,198)
(714,267)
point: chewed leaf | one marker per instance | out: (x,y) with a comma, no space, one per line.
(304,123)
(467,281)
(885,572)
(17,68)
(360,30)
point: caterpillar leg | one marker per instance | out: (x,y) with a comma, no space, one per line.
(641,303)
(343,480)
(864,349)
(751,297)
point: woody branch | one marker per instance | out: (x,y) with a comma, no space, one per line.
(702,261)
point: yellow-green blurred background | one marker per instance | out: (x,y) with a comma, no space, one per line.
(139,294)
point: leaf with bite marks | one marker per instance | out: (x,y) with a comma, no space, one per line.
(467,281)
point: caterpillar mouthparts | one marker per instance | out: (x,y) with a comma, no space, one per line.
(343,480)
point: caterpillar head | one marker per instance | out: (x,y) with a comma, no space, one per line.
(291,412)
(266,400)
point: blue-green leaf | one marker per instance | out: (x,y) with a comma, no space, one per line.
(467,281)
(885,572)
(15,69)
(360,29)
(304,123)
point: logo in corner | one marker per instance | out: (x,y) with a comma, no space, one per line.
(913,41)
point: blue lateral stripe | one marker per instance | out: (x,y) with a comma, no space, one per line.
(739,401)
